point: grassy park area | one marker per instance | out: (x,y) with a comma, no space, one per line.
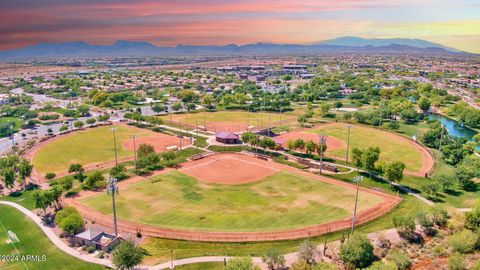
(32,241)
(393,147)
(280,201)
(202,266)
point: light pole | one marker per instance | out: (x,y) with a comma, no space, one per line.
(196,133)
(257,135)
(322,141)
(134,150)
(112,188)
(115,145)
(348,141)
(357,180)
(11,134)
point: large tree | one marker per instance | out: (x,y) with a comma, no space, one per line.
(78,170)
(9,178)
(357,252)
(127,255)
(369,157)
(393,172)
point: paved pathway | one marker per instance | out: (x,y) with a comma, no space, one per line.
(290,258)
(55,239)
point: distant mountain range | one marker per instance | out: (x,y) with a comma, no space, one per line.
(136,48)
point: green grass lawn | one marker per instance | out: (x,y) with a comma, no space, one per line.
(233,117)
(160,248)
(15,120)
(363,137)
(202,266)
(84,147)
(23,198)
(280,201)
(33,242)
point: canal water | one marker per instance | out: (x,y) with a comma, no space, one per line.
(454,128)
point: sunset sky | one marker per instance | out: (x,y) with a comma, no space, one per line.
(454,23)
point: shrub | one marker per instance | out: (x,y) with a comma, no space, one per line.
(439,215)
(472,218)
(274,259)
(119,172)
(464,241)
(90,249)
(240,263)
(95,180)
(50,176)
(439,251)
(400,258)
(357,251)
(65,212)
(405,226)
(307,252)
(456,262)
(426,221)
(382,266)
(325,266)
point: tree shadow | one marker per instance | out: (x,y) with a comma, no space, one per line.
(453,192)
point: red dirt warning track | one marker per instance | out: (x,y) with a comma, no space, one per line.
(206,170)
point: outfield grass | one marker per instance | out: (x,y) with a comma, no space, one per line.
(229,117)
(391,149)
(33,242)
(280,201)
(84,147)
(160,248)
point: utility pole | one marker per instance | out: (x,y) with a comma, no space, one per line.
(348,141)
(322,141)
(248,115)
(357,180)
(115,145)
(380,116)
(134,151)
(269,126)
(112,188)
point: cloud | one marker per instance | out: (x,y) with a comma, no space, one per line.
(24,22)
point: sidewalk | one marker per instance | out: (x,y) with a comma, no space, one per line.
(55,239)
